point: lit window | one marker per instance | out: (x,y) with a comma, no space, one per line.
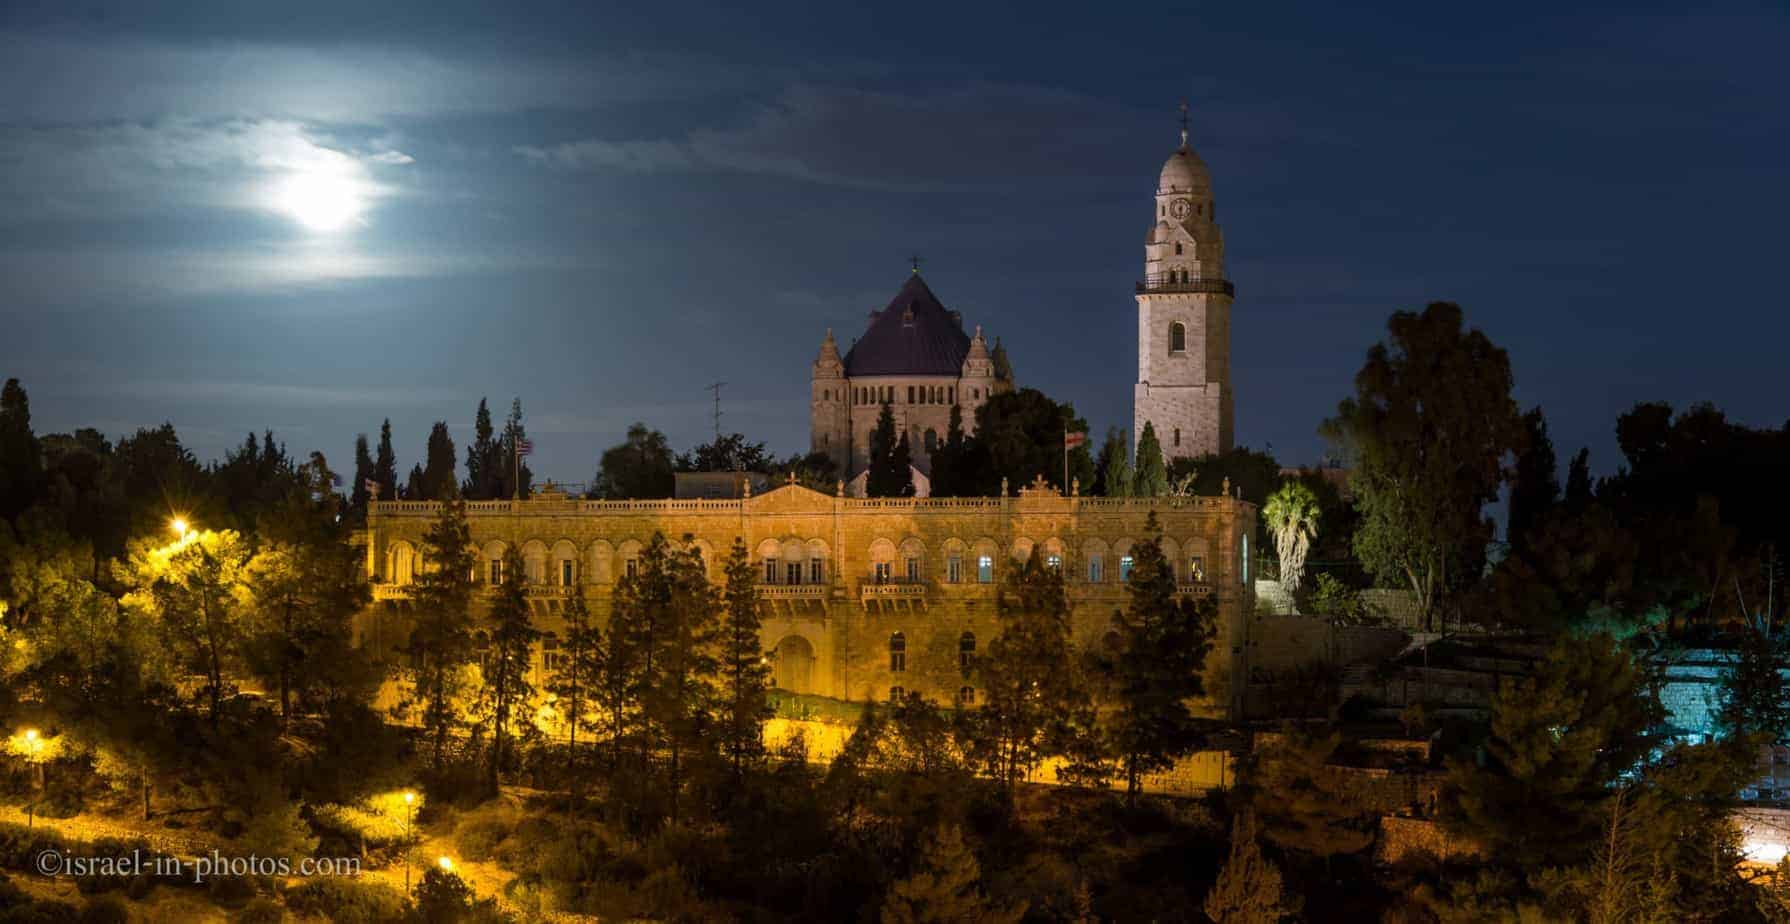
(1124,567)
(1196,569)
(565,572)
(897,653)
(985,569)
(954,569)
(1053,562)
(882,572)
(1094,569)
(1177,337)
(1245,556)
(966,652)
(496,576)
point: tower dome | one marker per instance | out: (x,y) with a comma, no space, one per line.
(1183,172)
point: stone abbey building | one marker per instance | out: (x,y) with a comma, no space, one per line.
(862,597)
(867,597)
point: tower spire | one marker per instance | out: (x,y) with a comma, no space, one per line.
(1183,124)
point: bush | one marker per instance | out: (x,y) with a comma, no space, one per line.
(20,846)
(106,909)
(260,911)
(347,902)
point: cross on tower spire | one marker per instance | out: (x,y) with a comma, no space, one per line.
(915,260)
(1183,123)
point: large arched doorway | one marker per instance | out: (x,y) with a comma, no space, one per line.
(793,665)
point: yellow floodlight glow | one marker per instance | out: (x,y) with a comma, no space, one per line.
(179,526)
(447,865)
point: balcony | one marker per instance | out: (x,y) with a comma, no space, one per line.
(891,589)
(792,591)
(1196,590)
(1174,282)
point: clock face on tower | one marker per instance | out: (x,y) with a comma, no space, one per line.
(1180,208)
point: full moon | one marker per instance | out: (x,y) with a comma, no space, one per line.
(321,201)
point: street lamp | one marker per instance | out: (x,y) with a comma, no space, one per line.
(34,749)
(447,865)
(179,526)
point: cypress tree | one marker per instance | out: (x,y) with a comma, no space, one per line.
(1249,888)
(948,459)
(1578,481)
(1536,488)
(416,487)
(580,664)
(440,640)
(945,888)
(363,472)
(21,457)
(1152,473)
(1115,466)
(883,480)
(901,464)
(438,473)
(385,464)
(484,459)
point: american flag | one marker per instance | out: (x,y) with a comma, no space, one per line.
(1072,440)
(525,447)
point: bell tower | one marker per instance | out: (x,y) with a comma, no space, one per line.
(1184,315)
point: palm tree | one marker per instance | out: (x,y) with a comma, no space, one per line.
(1292,515)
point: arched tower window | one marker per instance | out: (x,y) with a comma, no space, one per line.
(1177,337)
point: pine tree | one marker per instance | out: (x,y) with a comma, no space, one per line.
(508,643)
(438,474)
(385,464)
(513,469)
(1578,481)
(945,888)
(1535,489)
(441,641)
(884,480)
(582,653)
(745,678)
(363,472)
(1116,477)
(1152,666)
(484,459)
(1559,738)
(1152,472)
(1249,888)
(1298,808)
(1032,696)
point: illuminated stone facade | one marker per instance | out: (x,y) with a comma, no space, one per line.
(860,596)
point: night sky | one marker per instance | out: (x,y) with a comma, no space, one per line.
(307,217)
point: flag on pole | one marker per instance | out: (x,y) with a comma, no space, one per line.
(1072,440)
(525,447)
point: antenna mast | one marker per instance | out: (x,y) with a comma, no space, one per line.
(716,388)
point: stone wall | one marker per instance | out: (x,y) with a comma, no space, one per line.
(1415,838)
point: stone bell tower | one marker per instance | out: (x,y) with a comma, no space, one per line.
(1184,316)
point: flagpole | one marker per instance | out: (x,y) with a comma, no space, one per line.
(1065,461)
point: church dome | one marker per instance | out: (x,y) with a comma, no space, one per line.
(1183,172)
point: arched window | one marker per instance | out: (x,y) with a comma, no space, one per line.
(932,440)
(1096,569)
(1177,436)
(966,652)
(1177,337)
(1177,248)
(1245,556)
(897,653)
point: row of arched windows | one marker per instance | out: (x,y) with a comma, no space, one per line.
(796,561)
(916,394)
(966,652)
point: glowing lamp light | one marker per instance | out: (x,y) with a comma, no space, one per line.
(179,526)
(410,798)
(447,865)
(1764,852)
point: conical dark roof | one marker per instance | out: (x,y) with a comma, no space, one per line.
(915,335)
